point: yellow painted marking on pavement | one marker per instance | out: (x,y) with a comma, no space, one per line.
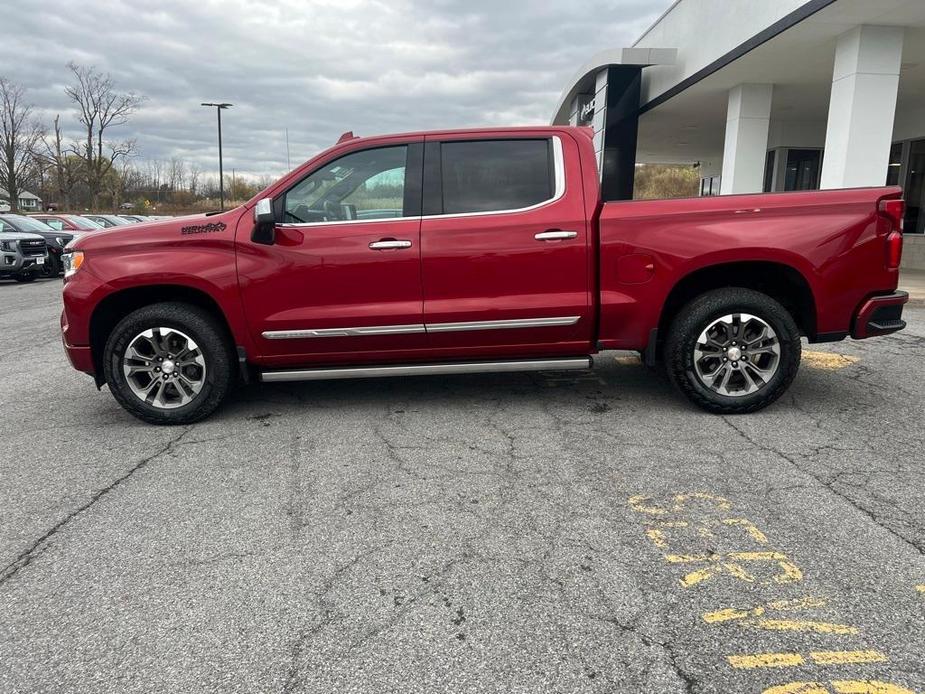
(799,688)
(686,558)
(750,528)
(628,360)
(803,625)
(681,500)
(730,564)
(726,615)
(758,660)
(798,603)
(921,588)
(868,687)
(839,687)
(643,503)
(657,537)
(790,573)
(847,657)
(754,618)
(828,361)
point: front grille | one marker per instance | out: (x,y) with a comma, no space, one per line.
(32,248)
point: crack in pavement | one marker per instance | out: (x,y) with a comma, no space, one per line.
(41,544)
(920,548)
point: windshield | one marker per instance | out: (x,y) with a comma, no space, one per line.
(114,219)
(27,223)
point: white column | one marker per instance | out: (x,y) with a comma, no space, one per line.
(747,123)
(862,107)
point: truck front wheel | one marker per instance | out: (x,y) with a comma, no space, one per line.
(733,350)
(169,363)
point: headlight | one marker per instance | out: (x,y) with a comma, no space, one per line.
(8,246)
(72,262)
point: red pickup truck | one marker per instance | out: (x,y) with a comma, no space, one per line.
(476,251)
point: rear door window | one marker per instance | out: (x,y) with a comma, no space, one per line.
(496,175)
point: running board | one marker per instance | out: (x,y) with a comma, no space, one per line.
(473,367)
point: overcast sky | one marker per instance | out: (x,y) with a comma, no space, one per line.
(316,67)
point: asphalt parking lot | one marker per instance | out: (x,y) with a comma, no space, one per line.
(504,533)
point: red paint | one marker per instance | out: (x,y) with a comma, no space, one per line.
(614,275)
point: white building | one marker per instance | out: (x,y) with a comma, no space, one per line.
(767,95)
(28,202)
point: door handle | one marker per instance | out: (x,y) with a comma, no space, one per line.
(555,235)
(387,244)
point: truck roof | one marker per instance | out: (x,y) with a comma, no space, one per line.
(476,132)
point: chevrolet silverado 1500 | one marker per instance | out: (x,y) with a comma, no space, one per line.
(476,251)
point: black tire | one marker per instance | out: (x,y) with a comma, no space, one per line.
(214,344)
(701,313)
(51,267)
(25,277)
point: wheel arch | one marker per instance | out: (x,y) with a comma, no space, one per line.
(114,307)
(782,282)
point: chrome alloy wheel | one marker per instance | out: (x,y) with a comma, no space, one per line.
(737,355)
(164,368)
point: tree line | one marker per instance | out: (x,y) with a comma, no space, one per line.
(94,170)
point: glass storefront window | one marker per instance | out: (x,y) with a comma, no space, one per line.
(896,163)
(803,169)
(915,189)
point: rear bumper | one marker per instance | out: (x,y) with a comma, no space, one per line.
(880,315)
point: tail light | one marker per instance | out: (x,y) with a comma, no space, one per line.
(895,211)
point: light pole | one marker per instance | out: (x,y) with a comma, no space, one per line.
(221,181)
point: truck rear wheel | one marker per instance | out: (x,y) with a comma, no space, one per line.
(733,351)
(169,363)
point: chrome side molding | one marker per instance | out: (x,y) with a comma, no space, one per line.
(421,328)
(344,332)
(337,373)
(502,324)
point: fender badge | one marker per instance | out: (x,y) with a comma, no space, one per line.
(204,228)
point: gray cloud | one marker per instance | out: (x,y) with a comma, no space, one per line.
(318,68)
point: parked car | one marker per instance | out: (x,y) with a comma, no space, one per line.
(106,220)
(477,251)
(55,241)
(68,222)
(4,206)
(133,218)
(22,256)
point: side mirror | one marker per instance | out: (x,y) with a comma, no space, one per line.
(264,223)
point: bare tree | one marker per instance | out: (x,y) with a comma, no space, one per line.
(195,171)
(176,172)
(65,167)
(100,107)
(155,170)
(19,134)
(119,179)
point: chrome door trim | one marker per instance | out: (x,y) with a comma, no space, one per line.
(556,235)
(558,157)
(502,324)
(324,374)
(344,332)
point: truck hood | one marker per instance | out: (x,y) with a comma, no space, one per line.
(157,231)
(19,236)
